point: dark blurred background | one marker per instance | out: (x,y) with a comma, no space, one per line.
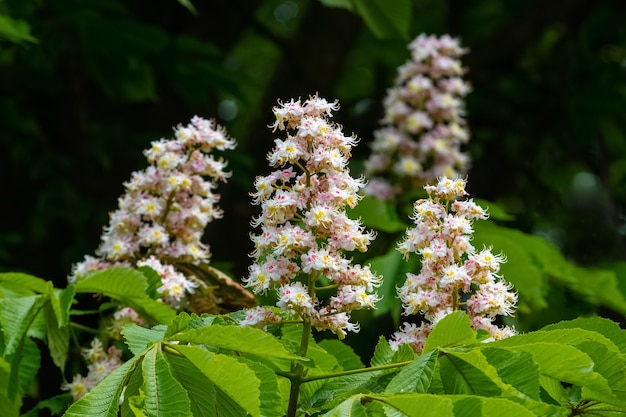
(86,85)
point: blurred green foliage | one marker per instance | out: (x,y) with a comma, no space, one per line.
(86,85)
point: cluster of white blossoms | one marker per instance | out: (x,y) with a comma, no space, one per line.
(454,275)
(424,126)
(160,221)
(100,363)
(304,227)
(162,215)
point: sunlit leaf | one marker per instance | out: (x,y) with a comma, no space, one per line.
(163,395)
(351,407)
(453,329)
(244,340)
(469,373)
(58,338)
(416,376)
(16,316)
(23,283)
(104,399)
(138,338)
(237,385)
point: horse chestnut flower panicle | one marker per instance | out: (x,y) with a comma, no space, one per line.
(305,231)
(163,213)
(454,275)
(424,126)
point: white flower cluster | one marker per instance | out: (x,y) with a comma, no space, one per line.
(304,227)
(162,216)
(424,124)
(454,275)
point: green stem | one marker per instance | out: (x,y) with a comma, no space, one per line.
(297,369)
(356,371)
(83,328)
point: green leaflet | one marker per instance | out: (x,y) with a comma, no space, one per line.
(454,329)
(58,337)
(516,369)
(272,403)
(16,317)
(238,388)
(161,393)
(104,399)
(245,340)
(383,354)
(200,389)
(25,284)
(416,376)
(138,338)
(130,287)
(469,373)
(351,407)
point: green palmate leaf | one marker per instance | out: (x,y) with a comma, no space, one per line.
(244,340)
(154,281)
(28,365)
(608,381)
(16,316)
(383,354)
(130,287)
(132,394)
(565,363)
(162,394)
(334,390)
(452,330)
(238,388)
(416,376)
(471,406)
(386,19)
(61,303)
(469,373)
(23,283)
(18,371)
(608,328)
(377,214)
(117,282)
(201,392)
(516,369)
(58,337)
(612,367)
(345,355)
(182,322)
(417,405)
(351,407)
(553,388)
(272,403)
(104,399)
(139,338)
